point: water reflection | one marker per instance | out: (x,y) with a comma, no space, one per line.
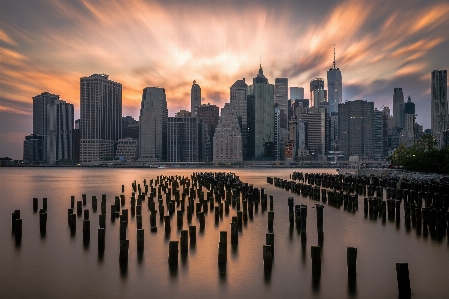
(352,285)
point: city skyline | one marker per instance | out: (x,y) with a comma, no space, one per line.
(379,46)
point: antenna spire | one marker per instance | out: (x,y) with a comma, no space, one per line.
(334,56)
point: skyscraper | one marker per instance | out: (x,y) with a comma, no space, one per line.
(334,87)
(281,99)
(238,99)
(59,131)
(439,105)
(355,120)
(153,125)
(398,108)
(228,137)
(40,104)
(317,92)
(296,93)
(260,99)
(184,139)
(100,117)
(195,98)
(208,114)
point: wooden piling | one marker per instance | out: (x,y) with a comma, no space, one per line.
(222,247)
(140,239)
(192,234)
(267,256)
(124,247)
(35,204)
(270,241)
(173,252)
(316,259)
(351,257)
(403,279)
(184,240)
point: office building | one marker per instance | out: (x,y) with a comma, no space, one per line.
(398,108)
(130,127)
(153,125)
(296,93)
(184,139)
(208,114)
(334,87)
(100,117)
(281,99)
(355,120)
(317,92)
(33,149)
(127,149)
(59,132)
(260,111)
(238,92)
(439,106)
(195,98)
(316,123)
(228,137)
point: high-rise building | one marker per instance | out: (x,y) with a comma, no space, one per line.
(153,125)
(378,135)
(439,105)
(40,104)
(281,99)
(195,98)
(184,139)
(296,93)
(130,127)
(100,116)
(398,108)
(59,132)
(355,120)
(33,148)
(260,109)
(228,137)
(316,123)
(208,114)
(317,92)
(127,149)
(238,99)
(334,87)
(410,121)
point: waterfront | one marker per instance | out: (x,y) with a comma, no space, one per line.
(60,266)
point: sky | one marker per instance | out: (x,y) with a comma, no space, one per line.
(47,45)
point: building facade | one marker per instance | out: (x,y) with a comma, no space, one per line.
(208,114)
(260,109)
(398,108)
(228,137)
(153,125)
(238,94)
(281,99)
(100,117)
(439,106)
(195,98)
(317,92)
(184,139)
(59,132)
(355,119)
(334,87)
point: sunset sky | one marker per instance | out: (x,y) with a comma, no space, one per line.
(48,45)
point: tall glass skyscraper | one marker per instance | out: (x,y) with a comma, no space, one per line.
(100,117)
(334,87)
(153,125)
(439,105)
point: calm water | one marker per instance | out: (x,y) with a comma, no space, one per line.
(59,266)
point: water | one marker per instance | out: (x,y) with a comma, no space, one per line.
(58,265)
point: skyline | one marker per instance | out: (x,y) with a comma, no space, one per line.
(50,45)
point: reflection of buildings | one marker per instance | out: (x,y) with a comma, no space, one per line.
(260,99)
(153,125)
(100,116)
(228,137)
(439,105)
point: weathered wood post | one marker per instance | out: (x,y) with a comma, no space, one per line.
(234,231)
(269,238)
(122,230)
(101,238)
(86,231)
(223,247)
(124,246)
(15,216)
(192,234)
(18,230)
(270,220)
(35,204)
(351,257)
(44,203)
(43,221)
(140,239)
(267,256)
(79,207)
(319,222)
(72,201)
(403,279)
(184,240)
(173,252)
(316,260)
